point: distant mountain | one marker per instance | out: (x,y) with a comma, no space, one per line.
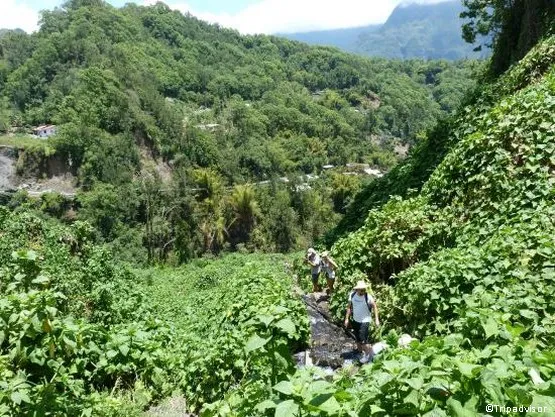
(5,31)
(346,39)
(412,31)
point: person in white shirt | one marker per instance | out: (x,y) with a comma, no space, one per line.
(313,259)
(360,306)
(329,266)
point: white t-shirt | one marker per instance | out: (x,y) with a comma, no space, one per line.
(328,268)
(316,269)
(361,311)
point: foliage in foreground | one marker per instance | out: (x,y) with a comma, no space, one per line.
(71,325)
(236,322)
(80,334)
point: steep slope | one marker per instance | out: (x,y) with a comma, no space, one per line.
(429,31)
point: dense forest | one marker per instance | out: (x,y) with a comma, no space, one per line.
(160,116)
(455,241)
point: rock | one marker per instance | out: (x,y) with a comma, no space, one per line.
(378,347)
(405,340)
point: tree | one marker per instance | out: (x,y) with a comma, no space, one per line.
(246,212)
(5,116)
(209,210)
(515,26)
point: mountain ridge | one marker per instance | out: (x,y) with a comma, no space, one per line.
(428,31)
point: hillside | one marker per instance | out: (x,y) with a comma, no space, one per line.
(412,31)
(466,265)
(152,107)
(197,75)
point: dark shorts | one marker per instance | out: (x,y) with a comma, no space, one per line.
(361,331)
(315,278)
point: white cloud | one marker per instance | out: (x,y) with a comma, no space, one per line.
(272,16)
(14,14)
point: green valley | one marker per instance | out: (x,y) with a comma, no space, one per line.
(172,280)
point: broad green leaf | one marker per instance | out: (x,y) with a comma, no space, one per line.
(331,406)
(124,349)
(287,326)
(467,369)
(287,408)
(415,383)
(374,409)
(457,409)
(265,405)
(490,327)
(285,387)
(321,387)
(255,342)
(343,396)
(41,279)
(265,319)
(412,398)
(19,396)
(544,401)
(436,412)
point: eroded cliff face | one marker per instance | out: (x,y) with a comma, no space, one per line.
(7,169)
(53,175)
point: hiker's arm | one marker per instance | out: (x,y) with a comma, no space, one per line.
(347,315)
(376,316)
(333,263)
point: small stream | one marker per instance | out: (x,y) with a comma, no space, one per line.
(331,346)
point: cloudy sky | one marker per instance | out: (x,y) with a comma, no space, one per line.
(247,16)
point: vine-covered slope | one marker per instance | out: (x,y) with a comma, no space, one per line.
(467,266)
(469,262)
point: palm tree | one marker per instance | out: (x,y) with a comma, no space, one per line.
(246,211)
(210,209)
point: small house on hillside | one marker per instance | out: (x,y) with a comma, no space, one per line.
(211,127)
(44,131)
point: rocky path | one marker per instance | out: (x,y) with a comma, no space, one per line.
(331,346)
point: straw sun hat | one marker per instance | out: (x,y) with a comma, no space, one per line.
(361,285)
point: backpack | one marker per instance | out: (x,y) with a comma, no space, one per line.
(370,306)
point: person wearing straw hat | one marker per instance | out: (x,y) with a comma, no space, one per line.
(313,259)
(329,266)
(360,306)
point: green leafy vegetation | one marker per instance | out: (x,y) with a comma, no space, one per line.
(457,242)
(151,106)
(466,265)
(79,331)
(236,323)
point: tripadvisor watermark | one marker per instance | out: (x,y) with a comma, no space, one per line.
(515,409)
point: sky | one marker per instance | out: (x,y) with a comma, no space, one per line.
(247,16)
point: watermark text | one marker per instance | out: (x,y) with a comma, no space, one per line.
(491,408)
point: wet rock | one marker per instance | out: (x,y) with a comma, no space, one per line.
(331,345)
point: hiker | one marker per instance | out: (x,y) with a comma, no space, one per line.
(329,266)
(313,259)
(361,304)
